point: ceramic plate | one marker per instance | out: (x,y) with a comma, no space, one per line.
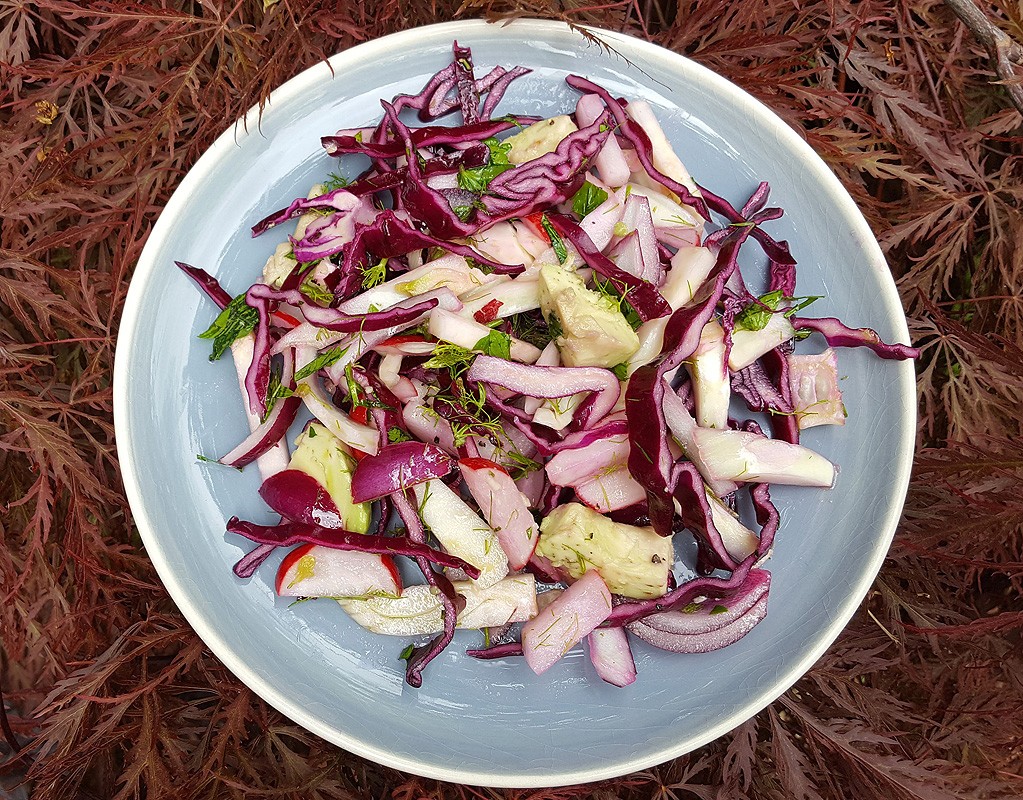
(496,723)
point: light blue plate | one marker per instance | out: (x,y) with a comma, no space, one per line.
(496,723)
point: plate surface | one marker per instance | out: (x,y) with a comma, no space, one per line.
(496,723)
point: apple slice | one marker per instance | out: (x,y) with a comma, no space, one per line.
(313,570)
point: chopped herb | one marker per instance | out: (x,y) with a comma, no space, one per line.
(335,181)
(305,568)
(718,610)
(495,344)
(276,391)
(396,434)
(450,356)
(478,179)
(374,275)
(316,293)
(533,328)
(690,608)
(621,371)
(463,212)
(587,198)
(322,361)
(758,313)
(559,246)
(358,137)
(406,654)
(235,321)
(521,465)
(801,303)
(554,327)
(608,290)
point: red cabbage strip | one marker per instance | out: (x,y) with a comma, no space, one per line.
(634,132)
(497,89)
(496,651)
(334,320)
(767,516)
(688,489)
(449,599)
(248,564)
(549,179)
(784,424)
(465,84)
(337,199)
(550,382)
(289,533)
(711,587)
(776,250)
(431,136)
(642,296)
(398,467)
(422,202)
(270,430)
(759,392)
(838,334)
(650,460)
(432,102)
(781,277)
(210,285)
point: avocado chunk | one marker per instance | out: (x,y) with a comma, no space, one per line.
(633,561)
(589,329)
(539,139)
(325,458)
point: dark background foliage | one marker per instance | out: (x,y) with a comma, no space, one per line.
(105,104)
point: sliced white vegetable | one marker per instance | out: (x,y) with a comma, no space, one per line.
(600,223)
(327,572)
(752,458)
(738,540)
(428,426)
(816,398)
(637,218)
(549,357)
(515,296)
(562,625)
(510,243)
(504,507)
(610,163)
(611,656)
(467,333)
(748,346)
(664,158)
(315,399)
(418,611)
(461,531)
(690,268)
(683,428)
(675,224)
(450,271)
(712,388)
(276,458)
(611,490)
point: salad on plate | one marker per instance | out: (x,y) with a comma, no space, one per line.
(523,346)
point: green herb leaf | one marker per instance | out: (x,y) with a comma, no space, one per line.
(374,275)
(316,293)
(335,181)
(801,303)
(396,434)
(478,179)
(757,314)
(235,321)
(608,290)
(276,391)
(621,371)
(718,610)
(322,361)
(559,246)
(496,344)
(587,198)
(450,356)
(554,326)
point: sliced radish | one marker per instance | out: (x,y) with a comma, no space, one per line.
(315,571)
(611,656)
(562,625)
(504,507)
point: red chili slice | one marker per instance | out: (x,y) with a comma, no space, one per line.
(489,312)
(481,463)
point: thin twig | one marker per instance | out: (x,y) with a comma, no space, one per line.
(1002,48)
(5,725)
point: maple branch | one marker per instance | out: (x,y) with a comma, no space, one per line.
(1004,51)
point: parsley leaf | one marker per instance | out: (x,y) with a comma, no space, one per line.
(587,198)
(396,434)
(559,246)
(495,344)
(478,179)
(757,314)
(276,391)
(322,361)
(235,321)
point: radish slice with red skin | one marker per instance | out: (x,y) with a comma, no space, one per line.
(503,506)
(611,656)
(298,496)
(564,623)
(316,571)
